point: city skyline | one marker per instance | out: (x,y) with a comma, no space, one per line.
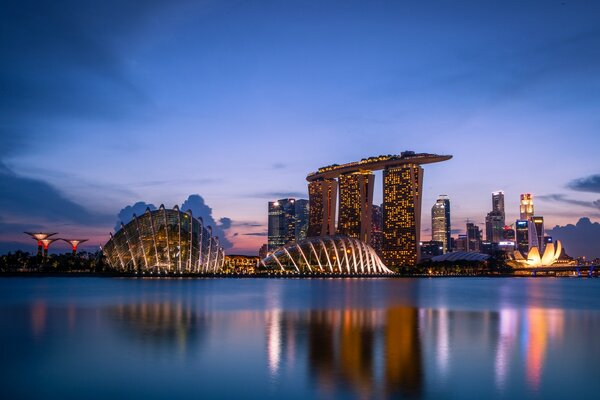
(87,120)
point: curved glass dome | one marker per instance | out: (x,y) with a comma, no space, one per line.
(165,241)
(327,254)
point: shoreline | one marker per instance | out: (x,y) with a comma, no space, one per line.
(263,276)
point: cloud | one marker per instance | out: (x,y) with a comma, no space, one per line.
(255,234)
(587,184)
(196,204)
(581,239)
(33,199)
(126,214)
(199,209)
(561,198)
(63,62)
(249,224)
(278,165)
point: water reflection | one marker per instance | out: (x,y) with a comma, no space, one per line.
(366,351)
(312,345)
(164,324)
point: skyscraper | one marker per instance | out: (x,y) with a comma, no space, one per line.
(473,237)
(496,219)
(356,201)
(402,191)
(494,227)
(377,229)
(498,201)
(322,196)
(302,215)
(402,186)
(522,236)
(282,222)
(536,233)
(440,222)
(526,206)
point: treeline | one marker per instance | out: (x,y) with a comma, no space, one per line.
(83,261)
(495,265)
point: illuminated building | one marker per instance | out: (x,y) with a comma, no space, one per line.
(536,232)
(165,241)
(494,227)
(240,264)
(39,236)
(526,206)
(522,236)
(402,192)
(440,222)
(282,222)
(329,254)
(74,243)
(554,253)
(356,201)
(302,215)
(473,237)
(322,196)
(377,229)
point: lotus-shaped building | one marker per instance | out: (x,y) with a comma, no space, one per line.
(165,241)
(552,253)
(327,254)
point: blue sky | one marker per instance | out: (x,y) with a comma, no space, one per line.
(105,105)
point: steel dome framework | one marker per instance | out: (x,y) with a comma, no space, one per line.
(327,254)
(165,241)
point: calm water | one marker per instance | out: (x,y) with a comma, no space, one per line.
(75,338)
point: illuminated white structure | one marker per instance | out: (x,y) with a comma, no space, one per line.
(551,255)
(165,241)
(328,254)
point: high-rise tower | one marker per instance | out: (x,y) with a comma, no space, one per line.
(498,201)
(401,214)
(402,191)
(526,206)
(536,233)
(282,222)
(302,216)
(440,222)
(322,196)
(356,201)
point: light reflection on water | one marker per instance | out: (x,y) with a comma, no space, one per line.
(299,339)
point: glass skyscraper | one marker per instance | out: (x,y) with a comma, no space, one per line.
(282,222)
(302,212)
(440,222)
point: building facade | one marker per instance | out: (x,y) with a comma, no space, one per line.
(473,237)
(401,208)
(522,236)
(356,202)
(282,222)
(526,207)
(322,196)
(402,192)
(164,241)
(440,222)
(536,233)
(302,216)
(494,227)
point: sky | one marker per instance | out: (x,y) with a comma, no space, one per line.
(104,105)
